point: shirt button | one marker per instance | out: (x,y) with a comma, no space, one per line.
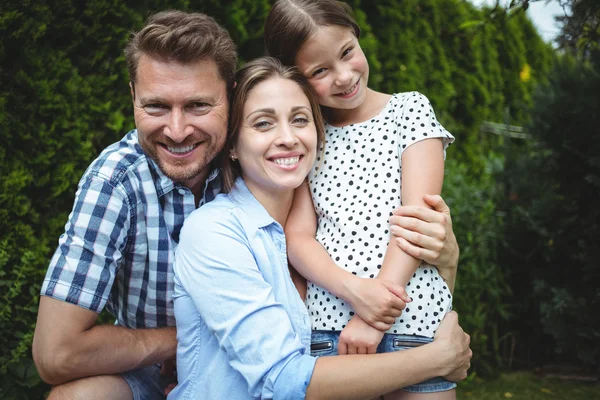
(181,192)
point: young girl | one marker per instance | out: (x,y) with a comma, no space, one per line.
(380,150)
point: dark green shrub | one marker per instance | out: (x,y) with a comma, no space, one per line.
(556,217)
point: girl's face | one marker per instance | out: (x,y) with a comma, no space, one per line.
(335,66)
(277,141)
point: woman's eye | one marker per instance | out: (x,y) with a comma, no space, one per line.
(300,120)
(262,125)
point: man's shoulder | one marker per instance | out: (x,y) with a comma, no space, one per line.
(116,162)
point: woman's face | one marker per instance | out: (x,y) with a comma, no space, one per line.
(277,140)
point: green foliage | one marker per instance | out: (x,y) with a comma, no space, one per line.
(557,220)
(481,289)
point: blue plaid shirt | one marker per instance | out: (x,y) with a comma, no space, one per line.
(119,242)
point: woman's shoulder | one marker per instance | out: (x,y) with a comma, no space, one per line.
(212,217)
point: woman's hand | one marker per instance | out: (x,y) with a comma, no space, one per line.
(376,301)
(358,337)
(453,347)
(427,234)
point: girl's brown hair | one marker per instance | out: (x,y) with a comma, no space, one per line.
(247,78)
(290,23)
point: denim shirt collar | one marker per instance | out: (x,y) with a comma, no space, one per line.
(245,200)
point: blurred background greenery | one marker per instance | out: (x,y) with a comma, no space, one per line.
(522,179)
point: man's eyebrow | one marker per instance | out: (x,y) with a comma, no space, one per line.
(161,100)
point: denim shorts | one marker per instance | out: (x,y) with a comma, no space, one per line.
(147,383)
(325,343)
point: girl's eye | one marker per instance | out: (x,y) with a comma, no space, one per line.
(317,72)
(347,51)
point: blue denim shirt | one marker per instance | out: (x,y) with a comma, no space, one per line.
(243,331)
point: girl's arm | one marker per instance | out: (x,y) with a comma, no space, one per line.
(422,173)
(379,302)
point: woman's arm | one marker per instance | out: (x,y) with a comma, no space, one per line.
(369,376)
(379,302)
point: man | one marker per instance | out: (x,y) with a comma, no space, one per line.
(119,241)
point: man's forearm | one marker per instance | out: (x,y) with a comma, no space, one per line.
(449,269)
(106,349)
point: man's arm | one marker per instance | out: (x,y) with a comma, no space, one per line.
(67,345)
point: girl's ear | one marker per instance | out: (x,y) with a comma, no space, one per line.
(233,155)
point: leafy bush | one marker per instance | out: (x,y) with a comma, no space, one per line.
(555,253)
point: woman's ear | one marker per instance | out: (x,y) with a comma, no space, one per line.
(233,155)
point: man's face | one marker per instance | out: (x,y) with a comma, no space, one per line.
(180,112)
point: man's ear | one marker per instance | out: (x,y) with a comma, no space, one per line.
(132,88)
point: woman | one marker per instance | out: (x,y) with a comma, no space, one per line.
(243,330)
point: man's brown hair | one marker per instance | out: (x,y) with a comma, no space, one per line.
(184,38)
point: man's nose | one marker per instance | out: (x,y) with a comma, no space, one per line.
(177,128)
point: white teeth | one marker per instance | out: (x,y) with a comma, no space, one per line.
(350,90)
(180,150)
(286,161)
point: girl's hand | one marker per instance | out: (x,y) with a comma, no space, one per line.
(427,234)
(378,302)
(358,337)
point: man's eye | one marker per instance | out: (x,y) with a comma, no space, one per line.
(199,106)
(155,107)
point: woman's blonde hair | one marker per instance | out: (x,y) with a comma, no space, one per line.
(247,78)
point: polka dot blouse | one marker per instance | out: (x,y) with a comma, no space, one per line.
(355,186)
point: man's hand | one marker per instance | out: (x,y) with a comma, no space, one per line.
(358,337)
(453,345)
(377,301)
(427,234)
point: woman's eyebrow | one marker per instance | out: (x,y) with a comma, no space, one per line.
(263,110)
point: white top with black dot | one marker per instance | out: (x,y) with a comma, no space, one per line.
(354,189)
